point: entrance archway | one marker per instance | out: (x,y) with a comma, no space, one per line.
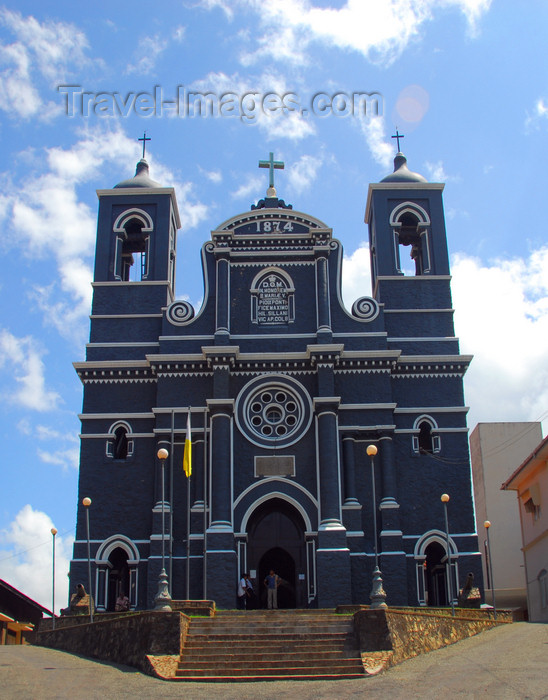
(118,580)
(276,541)
(436,575)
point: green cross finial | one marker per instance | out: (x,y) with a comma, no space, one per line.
(144,140)
(271,164)
(398,136)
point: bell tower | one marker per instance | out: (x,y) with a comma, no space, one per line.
(134,262)
(409,258)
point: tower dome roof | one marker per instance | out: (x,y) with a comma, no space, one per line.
(402,173)
(140,179)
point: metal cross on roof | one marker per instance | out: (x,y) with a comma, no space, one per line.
(398,136)
(271,164)
(144,139)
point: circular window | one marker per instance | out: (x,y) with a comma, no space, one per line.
(273,411)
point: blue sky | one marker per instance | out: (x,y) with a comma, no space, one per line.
(466,81)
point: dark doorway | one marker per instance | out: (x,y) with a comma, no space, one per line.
(283,564)
(118,579)
(276,541)
(436,575)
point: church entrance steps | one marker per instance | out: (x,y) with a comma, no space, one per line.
(271,644)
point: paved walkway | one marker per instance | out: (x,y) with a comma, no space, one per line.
(507,662)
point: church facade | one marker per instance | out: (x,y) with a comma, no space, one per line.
(285,389)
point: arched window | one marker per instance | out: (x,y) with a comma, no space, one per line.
(119,445)
(133,229)
(410,223)
(425,441)
(134,253)
(410,237)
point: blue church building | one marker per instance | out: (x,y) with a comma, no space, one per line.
(286,389)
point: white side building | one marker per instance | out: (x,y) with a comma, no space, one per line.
(495,449)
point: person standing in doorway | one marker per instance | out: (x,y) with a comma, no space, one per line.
(250,593)
(242,587)
(272,582)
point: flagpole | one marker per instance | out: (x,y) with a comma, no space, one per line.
(171,501)
(188,539)
(187,466)
(204,566)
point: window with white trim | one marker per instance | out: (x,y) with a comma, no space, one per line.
(425,441)
(120,445)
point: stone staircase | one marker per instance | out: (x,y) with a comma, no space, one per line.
(270,644)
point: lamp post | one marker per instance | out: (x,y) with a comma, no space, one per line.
(86,502)
(53,533)
(163,599)
(378,594)
(487,525)
(445,501)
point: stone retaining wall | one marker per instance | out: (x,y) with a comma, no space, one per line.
(127,639)
(408,634)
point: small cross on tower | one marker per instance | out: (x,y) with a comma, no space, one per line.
(398,136)
(144,139)
(271,164)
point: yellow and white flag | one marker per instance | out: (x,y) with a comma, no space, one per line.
(187,457)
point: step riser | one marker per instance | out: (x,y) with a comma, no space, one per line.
(265,638)
(227,673)
(213,631)
(278,655)
(281,644)
(274,666)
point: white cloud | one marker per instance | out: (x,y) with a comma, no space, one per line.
(66,450)
(303,173)
(44,432)
(501,316)
(292,126)
(68,459)
(251,103)
(540,112)
(224,5)
(214,176)
(473,10)
(378,30)
(26,557)
(46,218)
(191,210)
(436,173)
(373,129)
(40,51)
(356,275)
(146,54)
(178,33)
(150,48)
(252,186)
(21,360)
(541,108)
